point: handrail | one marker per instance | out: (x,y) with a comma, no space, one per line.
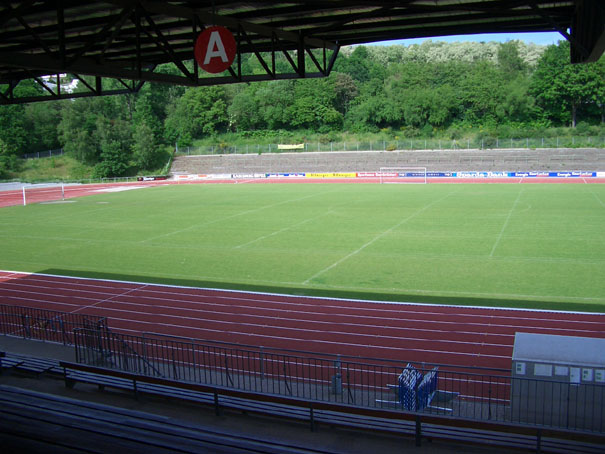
(336,357)
(448,424)
(465,393)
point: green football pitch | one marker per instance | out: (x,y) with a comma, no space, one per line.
(515,245)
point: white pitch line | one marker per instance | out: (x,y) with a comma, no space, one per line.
(277,232)
(598,198)
(241,213)
(506,223)
(376,238)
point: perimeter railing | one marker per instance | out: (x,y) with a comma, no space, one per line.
(482,143)
(473,394)
(47,325)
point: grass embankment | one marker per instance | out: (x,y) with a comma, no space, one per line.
(57,168)
(66,168)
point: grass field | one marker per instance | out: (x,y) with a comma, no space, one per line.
(523,245)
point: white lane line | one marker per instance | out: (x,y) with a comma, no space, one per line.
(204,300)
(108,299)
(296,339)
(491,254)
(86,282)
(122,308)
(381,322)
(376,238)
(314,322)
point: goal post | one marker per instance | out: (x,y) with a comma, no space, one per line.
(403,175)
(38,193)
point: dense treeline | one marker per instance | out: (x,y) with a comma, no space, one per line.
(432,89)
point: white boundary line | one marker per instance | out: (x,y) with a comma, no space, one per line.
(376,238)
(285,229)
(506,223)
(231,216)
(402,303)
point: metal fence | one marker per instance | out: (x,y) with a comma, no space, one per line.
(405,144)
(461,393)
(47,325)
(43,154)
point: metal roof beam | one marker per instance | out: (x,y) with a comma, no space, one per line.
(588,32)
(231,23)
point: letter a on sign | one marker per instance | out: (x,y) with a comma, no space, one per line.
(215,49)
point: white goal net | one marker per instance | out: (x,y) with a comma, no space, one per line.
(403,175)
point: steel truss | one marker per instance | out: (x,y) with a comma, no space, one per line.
(134,43)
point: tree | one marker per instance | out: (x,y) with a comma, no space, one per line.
(313,105)
(147,131)
(144,113)
(345,90)
(561,88)
(357,65)
(243,110)
(8,160)
(41,120)
(274,99)
(78,127)
(146,151)
(114,161)
(13,129)
(200,111)
(509,60)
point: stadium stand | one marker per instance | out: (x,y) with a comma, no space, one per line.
(68,426)
(438,161)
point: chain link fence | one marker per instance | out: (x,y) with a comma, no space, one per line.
(485,143)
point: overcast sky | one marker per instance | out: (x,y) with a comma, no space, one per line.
(537,38)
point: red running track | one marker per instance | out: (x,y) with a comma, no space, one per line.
(49,194)
(40,194)
(464,336)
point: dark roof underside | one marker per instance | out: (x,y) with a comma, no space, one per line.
(127,40)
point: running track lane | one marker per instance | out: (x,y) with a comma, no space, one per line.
(41,195)
(479,337)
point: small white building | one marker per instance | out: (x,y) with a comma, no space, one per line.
(559,381)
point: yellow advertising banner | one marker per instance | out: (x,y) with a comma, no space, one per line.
(297,146)
(331,175)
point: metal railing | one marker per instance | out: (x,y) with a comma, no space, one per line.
(43,154)
(474,394)
(47,325)
(483,143)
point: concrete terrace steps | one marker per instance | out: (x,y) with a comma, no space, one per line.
(371,161)
(61,424)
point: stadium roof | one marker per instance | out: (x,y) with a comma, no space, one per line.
(128,40)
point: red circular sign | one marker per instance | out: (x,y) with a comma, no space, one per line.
(215,49)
